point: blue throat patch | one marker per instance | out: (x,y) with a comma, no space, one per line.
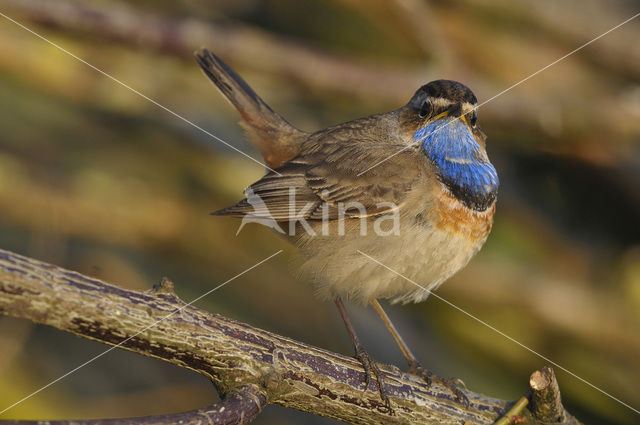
(461,164)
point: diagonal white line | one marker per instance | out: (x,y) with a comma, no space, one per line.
(499,332)
(111,77)
(511,87)
(559,59)
(139,332)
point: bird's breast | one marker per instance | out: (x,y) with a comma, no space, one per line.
(448,214)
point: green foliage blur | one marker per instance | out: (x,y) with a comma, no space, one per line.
(97,179)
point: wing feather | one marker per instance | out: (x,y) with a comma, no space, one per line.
(324,179)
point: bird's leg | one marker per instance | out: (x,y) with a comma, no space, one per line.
(367,363)
(415,368)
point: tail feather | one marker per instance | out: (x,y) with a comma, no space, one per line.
(276,139)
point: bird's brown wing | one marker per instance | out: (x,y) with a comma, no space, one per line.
(324,183)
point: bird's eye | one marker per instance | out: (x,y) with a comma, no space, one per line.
(474,119)
(425,110)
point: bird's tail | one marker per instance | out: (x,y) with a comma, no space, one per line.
(276,139)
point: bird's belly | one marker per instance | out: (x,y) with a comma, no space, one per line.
(429,248)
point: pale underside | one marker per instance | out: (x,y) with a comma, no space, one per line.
(432,244)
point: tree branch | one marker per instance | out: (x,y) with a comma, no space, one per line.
(240,406)
(236,356)
(546,403)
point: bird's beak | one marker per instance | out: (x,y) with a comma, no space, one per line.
(440,115)
(452,114)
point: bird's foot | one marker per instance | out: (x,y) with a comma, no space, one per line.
(451,384)
(370,366)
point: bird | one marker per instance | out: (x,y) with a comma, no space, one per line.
(417,178)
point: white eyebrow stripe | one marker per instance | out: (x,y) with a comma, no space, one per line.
(441,102)
(467,107)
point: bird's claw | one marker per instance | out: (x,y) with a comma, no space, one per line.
(450,384)
(417,370)
(370,366)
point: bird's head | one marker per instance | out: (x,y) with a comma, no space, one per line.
(442,117)
(444,101)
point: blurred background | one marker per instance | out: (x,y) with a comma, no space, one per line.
(97,179)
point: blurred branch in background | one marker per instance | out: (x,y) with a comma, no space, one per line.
(123,23)
(249,366)
(316,68)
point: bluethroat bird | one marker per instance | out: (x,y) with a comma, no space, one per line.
(420,173)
